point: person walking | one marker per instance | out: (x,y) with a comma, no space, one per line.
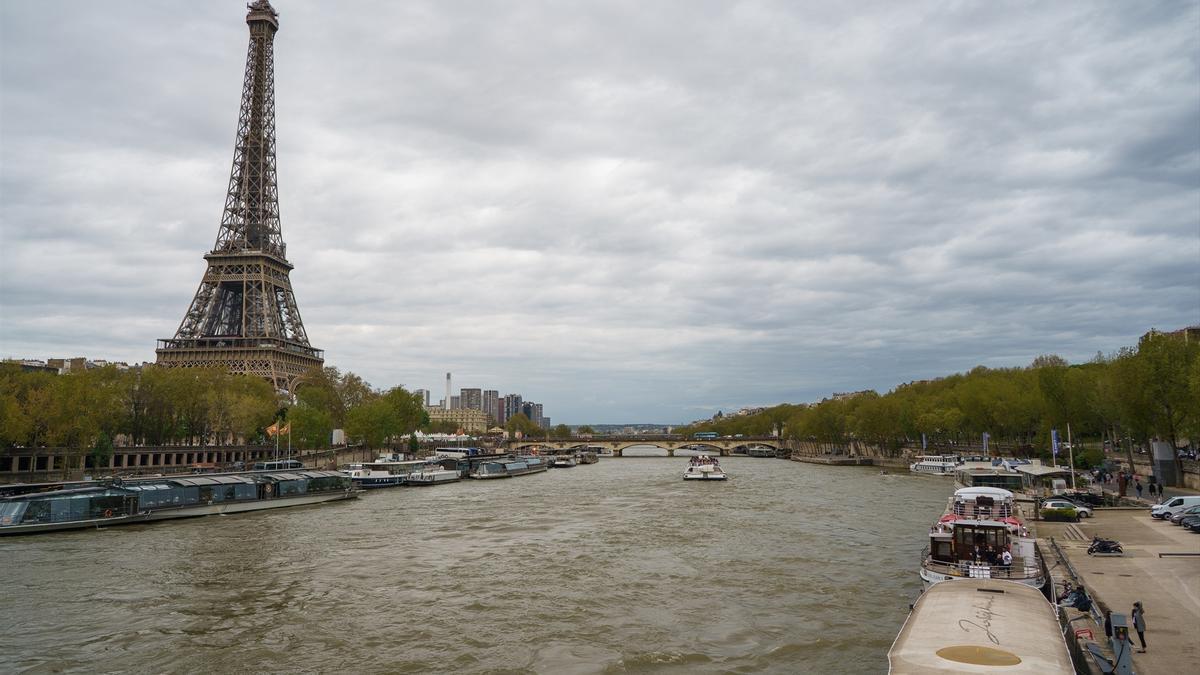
(1139,623)
(1108,625)
(1137,485)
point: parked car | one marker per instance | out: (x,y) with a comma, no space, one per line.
(1081,497)
(1192,524)
(1190,511)
(1079,509)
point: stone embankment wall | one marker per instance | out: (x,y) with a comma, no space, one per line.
(1142,467)
(878,456)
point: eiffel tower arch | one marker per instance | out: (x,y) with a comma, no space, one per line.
(244,316)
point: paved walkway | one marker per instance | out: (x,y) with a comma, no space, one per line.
(1168,587)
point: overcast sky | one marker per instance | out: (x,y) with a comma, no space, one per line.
(629,211)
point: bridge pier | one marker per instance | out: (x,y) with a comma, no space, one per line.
(670,452)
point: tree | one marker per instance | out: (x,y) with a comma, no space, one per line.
(372,422)
(519,423)
(561,431)
(585,430)
(311,427)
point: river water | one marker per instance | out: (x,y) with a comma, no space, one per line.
(606,568)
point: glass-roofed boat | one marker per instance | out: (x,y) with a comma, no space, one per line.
(117,502)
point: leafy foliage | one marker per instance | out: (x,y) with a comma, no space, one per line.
(1137,394)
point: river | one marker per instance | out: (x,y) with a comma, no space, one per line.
(613,567)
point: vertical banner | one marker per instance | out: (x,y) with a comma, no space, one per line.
(986,436)
(924,445)
(1054,443)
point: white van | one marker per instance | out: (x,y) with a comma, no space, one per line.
(1173,505)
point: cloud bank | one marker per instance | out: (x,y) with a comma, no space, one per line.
(629,212)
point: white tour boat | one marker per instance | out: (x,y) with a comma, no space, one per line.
(703,467)
(383,472)
(936,465)
(969,541)
(432,473)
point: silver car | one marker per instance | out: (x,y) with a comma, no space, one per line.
(1079,509)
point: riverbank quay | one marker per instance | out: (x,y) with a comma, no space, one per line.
(898,463)
(1160,568)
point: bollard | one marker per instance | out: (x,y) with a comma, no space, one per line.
(1122,648)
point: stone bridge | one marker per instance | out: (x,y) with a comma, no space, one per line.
(617,445)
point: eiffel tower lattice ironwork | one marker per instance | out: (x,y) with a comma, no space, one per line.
(244,315)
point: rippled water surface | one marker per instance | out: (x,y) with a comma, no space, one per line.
(606,568)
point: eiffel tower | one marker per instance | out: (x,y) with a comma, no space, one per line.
(244,315)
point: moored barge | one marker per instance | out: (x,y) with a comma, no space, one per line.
(116,502)
(981,626)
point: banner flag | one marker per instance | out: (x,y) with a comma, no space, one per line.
(272,430)
(286,429)
(1054,442)
(924,446)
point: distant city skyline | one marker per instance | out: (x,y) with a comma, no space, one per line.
(680,209)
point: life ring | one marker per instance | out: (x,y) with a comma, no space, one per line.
(267,489)
(108,513)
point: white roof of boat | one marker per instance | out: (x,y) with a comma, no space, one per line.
(983,491)
(981,626)
(1041,469)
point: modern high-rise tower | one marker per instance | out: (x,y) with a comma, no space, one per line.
(244,315)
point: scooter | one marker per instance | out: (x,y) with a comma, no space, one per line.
(1105,546)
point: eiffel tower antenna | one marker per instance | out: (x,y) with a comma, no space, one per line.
(244,315)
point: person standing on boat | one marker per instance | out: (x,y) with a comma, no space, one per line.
(1108,625)
(1006,561)
(1139,623)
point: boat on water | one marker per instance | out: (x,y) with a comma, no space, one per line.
(121,502)
(384,472)
(509,468)
(432,473)
(564,462)
(588,457)
(935,465)
(981,626)
(969,541)
(703,467)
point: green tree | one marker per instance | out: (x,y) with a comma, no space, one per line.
(519,423)
(312,427)
(560,431)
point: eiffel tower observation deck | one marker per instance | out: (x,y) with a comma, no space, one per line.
(244,315)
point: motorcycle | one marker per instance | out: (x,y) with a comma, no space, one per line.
(1100,545)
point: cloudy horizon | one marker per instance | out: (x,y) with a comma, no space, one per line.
(629,212)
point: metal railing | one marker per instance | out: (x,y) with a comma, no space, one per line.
(1021,568)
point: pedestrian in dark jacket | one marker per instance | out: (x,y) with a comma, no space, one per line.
(1139,623)
(1108,624)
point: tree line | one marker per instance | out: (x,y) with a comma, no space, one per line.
(1126,398)
(94,409)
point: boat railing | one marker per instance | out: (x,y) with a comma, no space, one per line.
(1021,568)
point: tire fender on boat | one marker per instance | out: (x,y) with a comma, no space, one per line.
(108,513)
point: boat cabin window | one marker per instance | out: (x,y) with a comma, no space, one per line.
(967,538)
(942,550)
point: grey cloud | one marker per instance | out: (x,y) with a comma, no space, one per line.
(627,211)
